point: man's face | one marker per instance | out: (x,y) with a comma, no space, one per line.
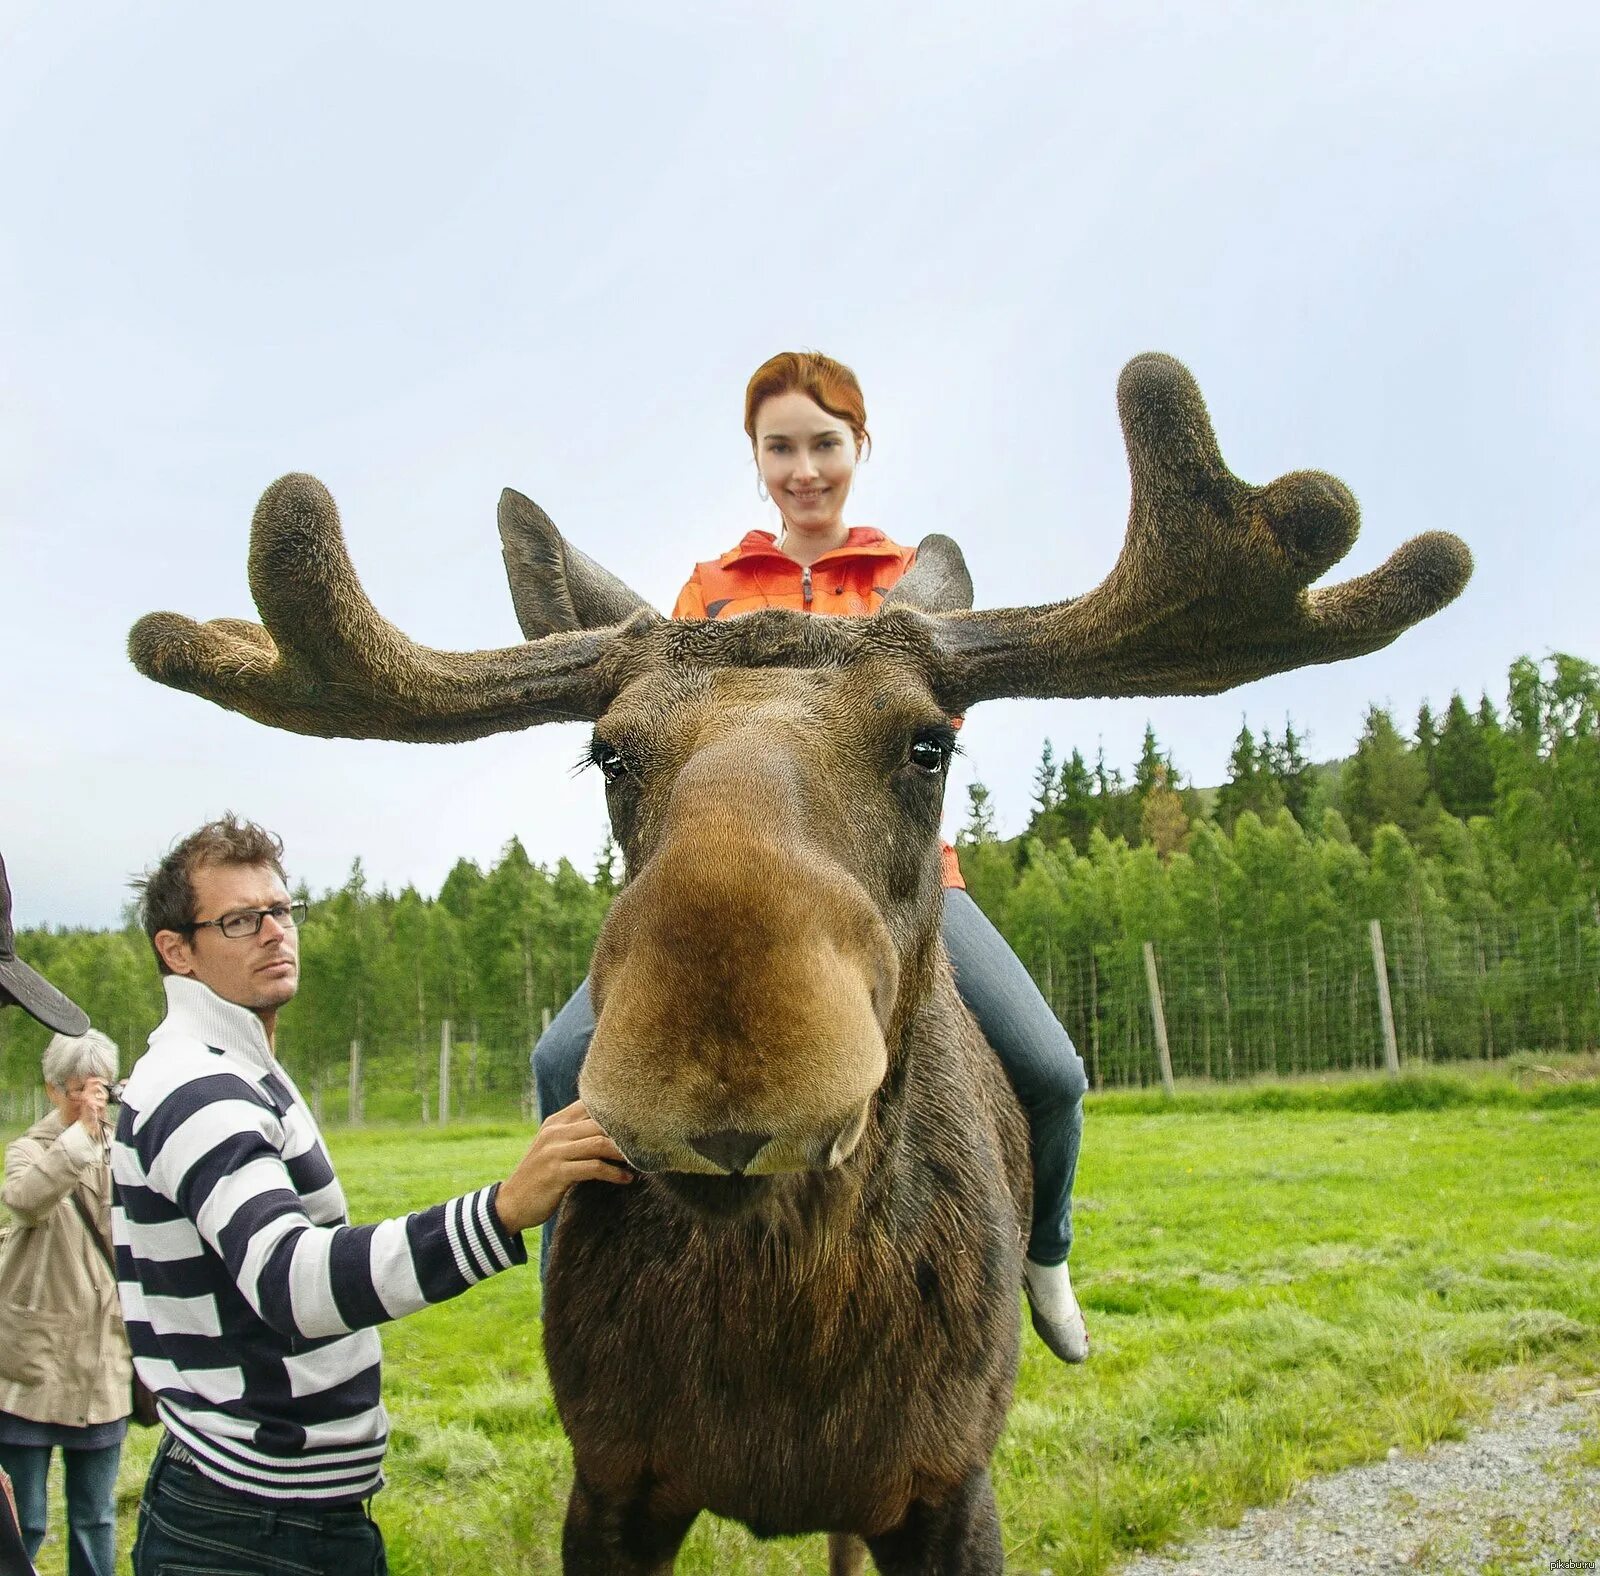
(260,972)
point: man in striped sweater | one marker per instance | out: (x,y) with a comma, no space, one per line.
(250,1301)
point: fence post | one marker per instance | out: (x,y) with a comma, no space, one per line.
(444,1071)
(1380,968)
(1158,1013)
(353,1111)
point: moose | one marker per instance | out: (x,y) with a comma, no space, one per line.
(804,1315)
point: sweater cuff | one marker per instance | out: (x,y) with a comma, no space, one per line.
(78,1146)
(489,1247)
(511,1242)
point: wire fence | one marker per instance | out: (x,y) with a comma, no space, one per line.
(1242,1010)
(1230,1010)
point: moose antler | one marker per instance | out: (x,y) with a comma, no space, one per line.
(1210,589)
(327,664)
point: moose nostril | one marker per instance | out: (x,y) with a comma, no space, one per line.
(730,1149)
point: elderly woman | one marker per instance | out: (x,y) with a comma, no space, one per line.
(65,1371)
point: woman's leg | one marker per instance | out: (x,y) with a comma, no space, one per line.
(1047,1073)
(92,1510)
(557,1061)
(28,1467)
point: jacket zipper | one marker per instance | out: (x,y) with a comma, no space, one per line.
(805,585)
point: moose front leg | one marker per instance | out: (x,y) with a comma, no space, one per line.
(619,1534)
(958,1537)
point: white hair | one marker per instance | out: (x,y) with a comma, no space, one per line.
(91,1055)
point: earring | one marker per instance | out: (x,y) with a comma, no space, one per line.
(761,489)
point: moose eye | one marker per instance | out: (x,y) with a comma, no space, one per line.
(930,752)
(611,764)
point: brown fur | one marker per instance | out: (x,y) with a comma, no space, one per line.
(804,1348)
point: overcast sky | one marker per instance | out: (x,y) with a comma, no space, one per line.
(427,254)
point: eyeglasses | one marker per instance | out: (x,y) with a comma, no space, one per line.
(247,921)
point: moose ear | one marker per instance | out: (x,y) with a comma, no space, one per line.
(937,581)
(554,586)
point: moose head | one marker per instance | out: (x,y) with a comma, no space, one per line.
(776,781)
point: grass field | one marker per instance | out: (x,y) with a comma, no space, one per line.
(1278,1281)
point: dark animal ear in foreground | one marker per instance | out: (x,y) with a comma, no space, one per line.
(937,582)
(553,585)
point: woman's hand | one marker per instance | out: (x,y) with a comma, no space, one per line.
(569,1147)
(92,1106)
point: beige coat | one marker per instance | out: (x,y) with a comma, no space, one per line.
(63,1352)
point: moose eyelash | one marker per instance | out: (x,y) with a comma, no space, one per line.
(588,759)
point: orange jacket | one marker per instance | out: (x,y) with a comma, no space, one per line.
(851,581)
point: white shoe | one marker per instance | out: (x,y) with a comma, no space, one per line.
(1056,1314)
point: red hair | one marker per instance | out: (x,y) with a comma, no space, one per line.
(830,383)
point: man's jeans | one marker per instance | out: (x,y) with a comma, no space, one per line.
(188,1523)
(1036,1052)
(91,1502)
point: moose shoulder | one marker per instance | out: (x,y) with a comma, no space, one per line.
(806,1317)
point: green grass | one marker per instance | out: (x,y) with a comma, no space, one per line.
(1279,1281)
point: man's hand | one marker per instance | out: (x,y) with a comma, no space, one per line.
(569,1147)
(92,1106)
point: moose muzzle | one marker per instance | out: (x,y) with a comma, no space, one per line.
(743,987)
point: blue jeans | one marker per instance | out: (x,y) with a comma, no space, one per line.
(188,1523)
(91,1502)
(1036,1052)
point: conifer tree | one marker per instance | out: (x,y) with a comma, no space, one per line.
(1044,824)
(1075,808)
(1463,763)
(1115,807)
(605,865)
(1044,781)
(1293,772)
(980,824)
(1153,766)
(1244,764)
(461,888)
(1385,783)
(1427,742)
(1251,784)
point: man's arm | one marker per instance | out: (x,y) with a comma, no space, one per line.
(213,1150)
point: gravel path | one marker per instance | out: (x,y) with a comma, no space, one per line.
(1521,1494)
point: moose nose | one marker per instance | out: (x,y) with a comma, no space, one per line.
(729,1148)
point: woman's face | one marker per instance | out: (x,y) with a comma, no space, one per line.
(68,1101)
(807,458)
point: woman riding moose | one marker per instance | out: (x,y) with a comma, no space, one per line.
(806,419)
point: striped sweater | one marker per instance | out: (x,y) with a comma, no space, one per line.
(250,1301)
